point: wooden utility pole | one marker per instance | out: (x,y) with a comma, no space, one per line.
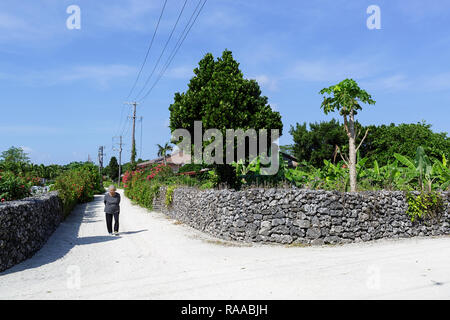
(133,132)
(100,163)
(120,160)
(100,158)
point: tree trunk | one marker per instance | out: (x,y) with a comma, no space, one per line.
(352,153)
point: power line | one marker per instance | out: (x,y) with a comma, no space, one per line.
(148,50)
(164,49)
(175,50)
(121,124)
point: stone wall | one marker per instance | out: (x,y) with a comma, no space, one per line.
(300,216)
(25,226)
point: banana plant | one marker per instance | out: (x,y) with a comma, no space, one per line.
(442,172)
(420,169)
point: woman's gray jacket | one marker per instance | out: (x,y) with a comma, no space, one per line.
(112,203)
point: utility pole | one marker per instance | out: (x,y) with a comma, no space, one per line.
(133,139)
(100,162)
(100,158)
(120,159)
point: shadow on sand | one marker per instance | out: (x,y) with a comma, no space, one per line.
(66,237)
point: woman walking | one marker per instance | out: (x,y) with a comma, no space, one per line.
(112,209)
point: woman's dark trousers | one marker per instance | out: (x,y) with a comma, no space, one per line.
(109,218)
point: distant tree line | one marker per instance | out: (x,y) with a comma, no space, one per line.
(316,142)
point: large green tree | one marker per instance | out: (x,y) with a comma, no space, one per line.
(113,169)
(14,159)
(14,155)
(347,97)
(385,140)
(318,142)
(220,97)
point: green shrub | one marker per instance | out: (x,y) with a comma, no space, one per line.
(78,186)
(13,187)
(142,185)
(169,195)
(191,167)
(425,205)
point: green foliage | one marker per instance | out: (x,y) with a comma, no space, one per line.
(169,195)
(345,97)
(330,177)
(385,140)
(191,167)
(14,155)
(382,142)
(107,183)
(288,149)
(249,174)
(425,205)
(319,142)
(403,174)
(142,185)
(217,89)
(163,150)
(422,172)
(113,169)
(78,186)
(13,187)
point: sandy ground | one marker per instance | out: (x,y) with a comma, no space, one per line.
(158,258)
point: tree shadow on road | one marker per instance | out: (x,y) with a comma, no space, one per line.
(66,237)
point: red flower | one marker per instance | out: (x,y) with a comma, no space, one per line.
(3,200)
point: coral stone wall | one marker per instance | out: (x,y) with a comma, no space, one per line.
(25,226)
(300,216)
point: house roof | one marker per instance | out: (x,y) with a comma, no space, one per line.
(177,158)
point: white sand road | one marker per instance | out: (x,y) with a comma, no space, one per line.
(159,258)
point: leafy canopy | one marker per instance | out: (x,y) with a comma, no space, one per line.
(220,97)
(14,155)
(345,97)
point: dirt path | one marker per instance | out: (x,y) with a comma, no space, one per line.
(157,258)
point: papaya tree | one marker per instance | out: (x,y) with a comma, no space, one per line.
(347,97)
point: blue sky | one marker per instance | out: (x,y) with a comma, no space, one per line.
(62,91)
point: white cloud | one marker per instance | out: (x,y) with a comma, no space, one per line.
(28,129)
(101,75)
(400,82)
(267,82)
(8,22)
(180,73)
(394,82)
(26,149)
(13,28)
(330,70)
